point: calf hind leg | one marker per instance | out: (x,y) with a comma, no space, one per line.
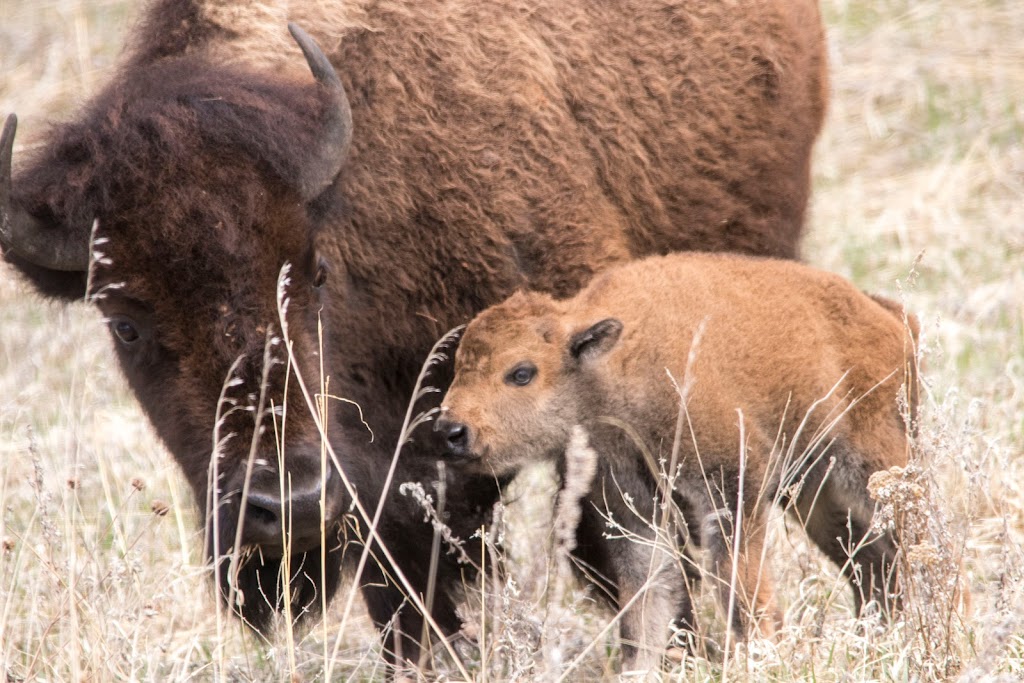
(837,518)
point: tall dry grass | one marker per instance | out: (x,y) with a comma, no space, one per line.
(100,571)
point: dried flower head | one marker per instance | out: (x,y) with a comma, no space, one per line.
(924,555)
(899,491)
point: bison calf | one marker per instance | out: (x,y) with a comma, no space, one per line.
(791,385)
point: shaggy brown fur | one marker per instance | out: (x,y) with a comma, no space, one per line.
(794,367)
(495,146)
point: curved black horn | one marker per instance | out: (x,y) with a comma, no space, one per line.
(27,237)
(326,162)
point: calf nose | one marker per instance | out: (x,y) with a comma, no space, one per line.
(269,515)
(456,436)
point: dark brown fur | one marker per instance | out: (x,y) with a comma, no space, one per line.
(802,366)
(495,146)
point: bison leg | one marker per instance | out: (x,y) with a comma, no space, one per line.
(397,619)
(597,559)
(592,557)
(835,509)
(748,597)
(650,587)
(638,571)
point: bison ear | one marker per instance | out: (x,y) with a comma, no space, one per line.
(596,340)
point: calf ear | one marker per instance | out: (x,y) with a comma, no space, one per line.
(596,340)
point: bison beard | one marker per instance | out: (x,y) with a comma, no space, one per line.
(254,586)
(491,149)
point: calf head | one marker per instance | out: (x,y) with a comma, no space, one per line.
(525,374)
(204,182)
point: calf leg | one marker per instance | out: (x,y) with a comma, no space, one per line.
(652,593)
(867,560)
(646,569)
(836,510)
(593,555)
(594,560)
(753,602)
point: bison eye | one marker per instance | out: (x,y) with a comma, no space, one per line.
(125,330)
(320,276)
(521,375)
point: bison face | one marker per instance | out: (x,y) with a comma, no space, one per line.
(207,187)
(214,345)
(521,384)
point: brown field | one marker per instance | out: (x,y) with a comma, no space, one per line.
(919,194)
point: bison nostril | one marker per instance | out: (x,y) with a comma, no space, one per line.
(457,435)
(456,432)
(263,511)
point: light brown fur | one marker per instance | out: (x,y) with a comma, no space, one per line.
(805,367)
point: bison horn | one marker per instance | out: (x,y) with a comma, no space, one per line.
(323,168)
(24,235)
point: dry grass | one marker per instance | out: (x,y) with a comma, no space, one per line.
(923,153)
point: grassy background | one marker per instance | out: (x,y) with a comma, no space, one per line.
(922,158)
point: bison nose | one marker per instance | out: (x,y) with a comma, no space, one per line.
(456,436)
(272,518)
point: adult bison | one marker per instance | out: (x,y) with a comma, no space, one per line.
(469,149)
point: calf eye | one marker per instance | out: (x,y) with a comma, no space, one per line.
(521,375)
(124,330)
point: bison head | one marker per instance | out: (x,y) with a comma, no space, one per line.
(523,379)
(175,202)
